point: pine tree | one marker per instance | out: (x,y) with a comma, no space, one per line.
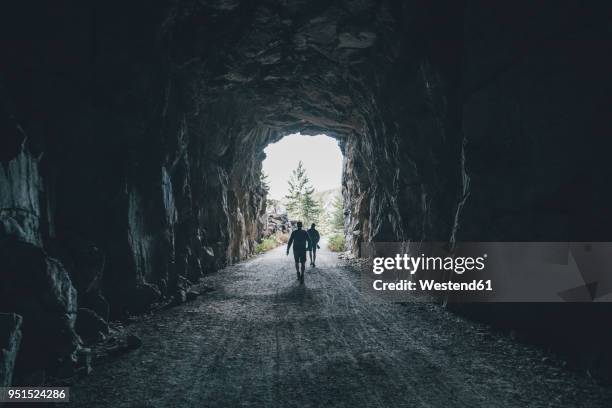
(337,218)
(301,204)
(311,209)
(297,182)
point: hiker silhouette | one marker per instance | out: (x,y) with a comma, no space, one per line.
(301,242)
(314,236)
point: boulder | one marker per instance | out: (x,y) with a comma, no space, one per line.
(39,289)
(98,303)
(141,297)
(11,229)
(90,326)
(191,295)
(85,263)
(10,339)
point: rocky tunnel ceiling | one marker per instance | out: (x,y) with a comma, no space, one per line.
(299,69)
(132,136)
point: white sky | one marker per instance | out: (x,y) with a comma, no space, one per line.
(321,157)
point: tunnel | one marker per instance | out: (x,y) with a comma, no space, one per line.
(133,136)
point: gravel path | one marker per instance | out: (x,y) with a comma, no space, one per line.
(262,340)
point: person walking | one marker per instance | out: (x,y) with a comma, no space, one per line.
(301,241)
(314,236)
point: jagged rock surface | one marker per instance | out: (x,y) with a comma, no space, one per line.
(10,339)
(39,289)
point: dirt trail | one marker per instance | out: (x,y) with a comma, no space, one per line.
(260,339)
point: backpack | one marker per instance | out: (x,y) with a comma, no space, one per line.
(314,236)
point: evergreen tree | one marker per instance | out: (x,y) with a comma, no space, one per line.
(337,218)
(297,183)
(273,205)
(301,204)
(311,209)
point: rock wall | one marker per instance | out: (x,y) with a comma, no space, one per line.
(534,79)
(533,123)
(131,153)
(10,331)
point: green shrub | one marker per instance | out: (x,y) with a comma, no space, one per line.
(266,244)
(271,242)
(336,243)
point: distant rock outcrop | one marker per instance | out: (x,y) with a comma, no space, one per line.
(276,218)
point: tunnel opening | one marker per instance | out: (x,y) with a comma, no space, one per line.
(320,155)
(303,178)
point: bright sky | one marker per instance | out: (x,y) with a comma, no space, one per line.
(321,157)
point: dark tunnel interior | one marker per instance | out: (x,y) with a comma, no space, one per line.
(132,137)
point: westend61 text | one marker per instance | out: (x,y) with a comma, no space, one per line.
(431,285)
